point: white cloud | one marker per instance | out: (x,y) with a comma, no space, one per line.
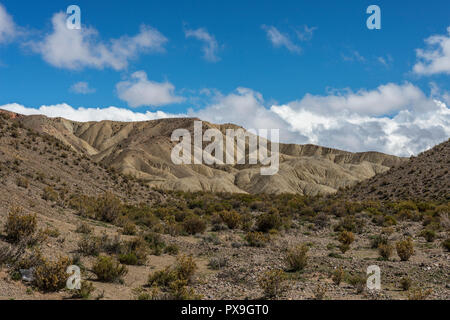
(8,29)
(77,49)
(139,91)
(81,88)
(337,120)
(88,114)
(210,47)
(353,55)
(305,33)
(280,40)
(352,121)
(436,57)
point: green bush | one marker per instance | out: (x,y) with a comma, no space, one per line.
(50,194)
(385,251)
(51,276)
(297,258)
(405,283)
(405,249)
(338,275)
(272,283)
(107,269)
(19,226)
(269,221)
(194,224)
(231,218)
(346,238)
(134,252)
(428,234)
(90,245)
(256,239)
(155,242)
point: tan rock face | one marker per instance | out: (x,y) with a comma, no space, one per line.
(143,149)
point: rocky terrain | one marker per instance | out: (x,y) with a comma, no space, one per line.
(423,177)
(143,150)
(92,191)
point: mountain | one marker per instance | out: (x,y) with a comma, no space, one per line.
(143,150)
(424,177)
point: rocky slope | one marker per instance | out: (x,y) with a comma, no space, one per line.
(424,177)
(143,149)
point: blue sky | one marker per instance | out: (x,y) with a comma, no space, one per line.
(311,68)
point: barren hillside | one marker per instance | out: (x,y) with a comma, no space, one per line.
(143,149)
(424,177)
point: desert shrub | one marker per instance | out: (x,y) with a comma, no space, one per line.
(162,278)
(185,267)
(108,207)
(346,238)
(19,226)
(111,245)
(322,220)
(129,228)
(50,194)
(256,239)
(178,290)
(446,244)
(217,263)
(269,221)
(90,245)
(51,276)
(134,252)
(51,232)
(338,275)
(389,221)
(172,249)
(428,234)
(350,223)
(194,224)
(385,251)
(418,293)
(377,240)
(155,242)
(107,269)
(405,249)
(231,218)
(297,257)
(358,282)
(405,283)
(174,280)
(83,228)
(22,182)
(84,292)
(272,283)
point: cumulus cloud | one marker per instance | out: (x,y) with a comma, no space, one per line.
(353,121)
(338,119)
(417,122)
(81,88)
(8,29)
(77,49)
(88,114)
(210,47)
(279,39)
(436,57)
(139,91)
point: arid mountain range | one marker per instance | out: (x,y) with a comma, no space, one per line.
(143,150)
